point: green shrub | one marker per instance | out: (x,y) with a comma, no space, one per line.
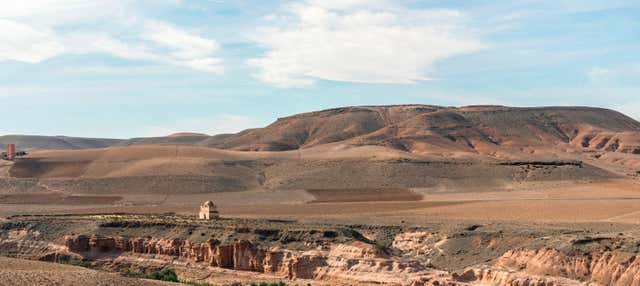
(194,283)
(133,274)
(268,284)
(77,262)
(163,275)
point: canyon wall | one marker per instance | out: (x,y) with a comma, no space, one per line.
(333,263)
(358,262)
(605,268)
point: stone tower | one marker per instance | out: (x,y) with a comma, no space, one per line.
(11,151)
(208,211)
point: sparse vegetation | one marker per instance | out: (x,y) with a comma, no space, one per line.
(162,275)
(268,284)
(77,262)
(195,283)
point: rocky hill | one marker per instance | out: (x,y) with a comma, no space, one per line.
(404,146)
(414,128)
(429,129)
(34,142)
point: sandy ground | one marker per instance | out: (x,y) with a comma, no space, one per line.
(25,272)
(613,201)
(57,198)
(364,195)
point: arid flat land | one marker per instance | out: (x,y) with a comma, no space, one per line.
(611,201)
(26,272)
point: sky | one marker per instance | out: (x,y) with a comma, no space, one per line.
(122,69)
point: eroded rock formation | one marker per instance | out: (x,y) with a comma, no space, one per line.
(411,258)
(361,262)
(605,268)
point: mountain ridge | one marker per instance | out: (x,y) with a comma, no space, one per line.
(415,128)
(401,146)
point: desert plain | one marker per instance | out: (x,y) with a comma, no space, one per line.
(366,195)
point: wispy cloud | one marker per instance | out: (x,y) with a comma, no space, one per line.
(610,74)
(184,48)
(34,31)
(20,42)
(599,74)
(358,41)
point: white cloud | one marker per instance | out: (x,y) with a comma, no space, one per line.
(185,48)
(358,41)
(21,42)
(56,12)
(176,47)
(349,4)
(86,42)
(184,44)
(30,31)
(212,65)
(598,74)
(219,124)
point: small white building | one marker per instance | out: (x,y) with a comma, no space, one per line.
(208,211)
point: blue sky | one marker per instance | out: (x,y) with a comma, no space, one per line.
(148,68)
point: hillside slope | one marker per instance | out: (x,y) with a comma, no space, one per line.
(419,129)
(432,129)
(34,142)
(472,148)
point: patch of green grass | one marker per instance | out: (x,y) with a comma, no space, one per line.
(194,283)
(162,275)
(77,262)
(165,275)
(130,273)
(197,283)
(268,284)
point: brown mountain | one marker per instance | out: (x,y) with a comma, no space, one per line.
(34,142)
(431,129)
(418,129)
(407,146)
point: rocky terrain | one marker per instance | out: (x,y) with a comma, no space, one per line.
(429,254)
(421,129)
(384,195)
(407,146)
(29,272)
(425,129)
(351,147)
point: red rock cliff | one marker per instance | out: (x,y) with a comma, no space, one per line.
(355,262)
(605,268)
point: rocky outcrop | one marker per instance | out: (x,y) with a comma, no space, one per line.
(605,268)
(505,277)
(353,263)
(418,242)
(359,262)
(240,255)
(623,142)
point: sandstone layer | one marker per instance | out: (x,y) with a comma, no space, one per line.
(299,253)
